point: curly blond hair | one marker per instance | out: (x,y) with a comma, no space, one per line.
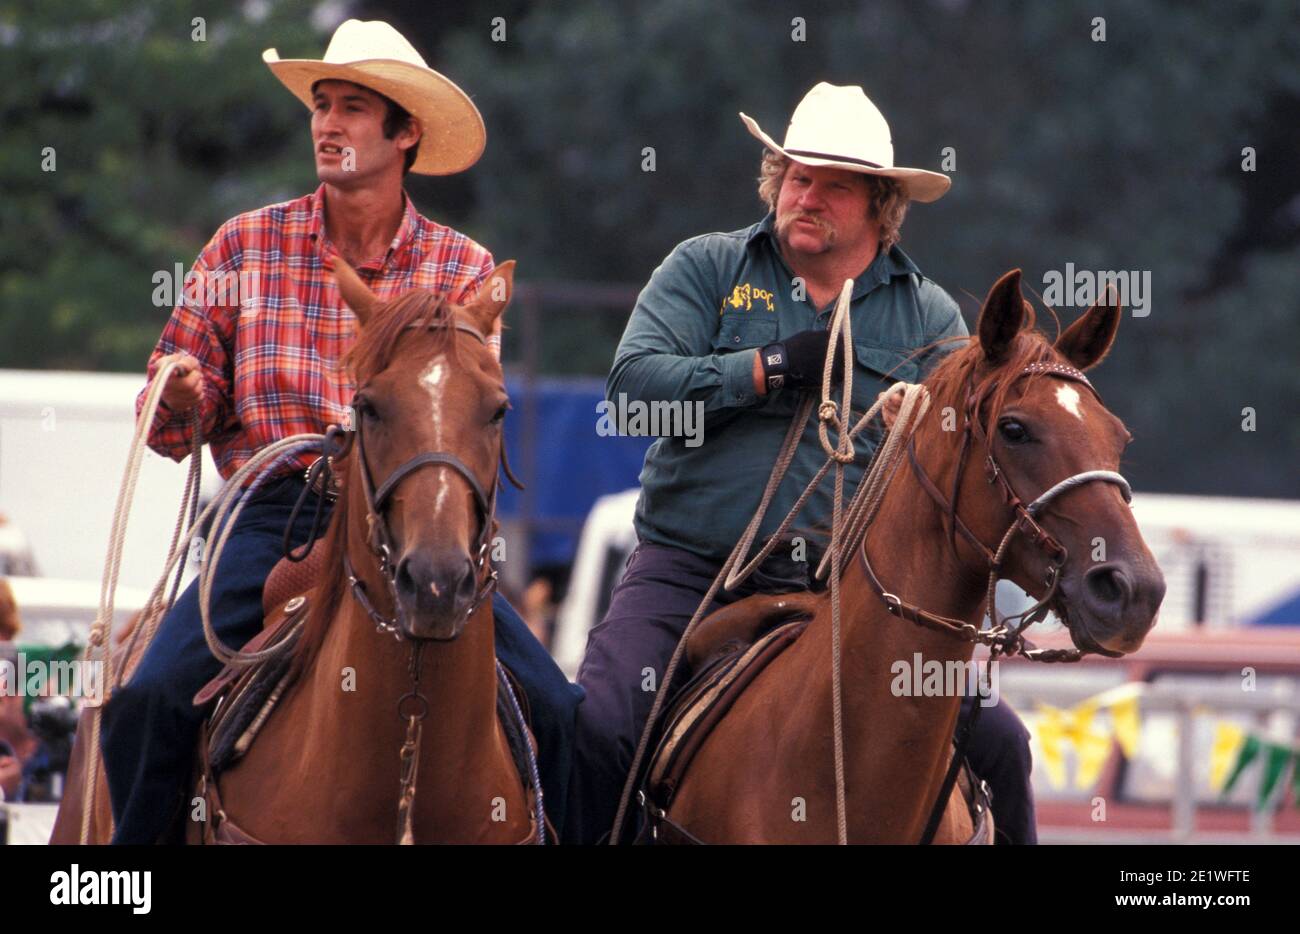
(887,198)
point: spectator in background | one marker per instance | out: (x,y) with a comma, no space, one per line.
(10,623)
(17,744)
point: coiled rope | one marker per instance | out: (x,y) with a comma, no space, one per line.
(189,523)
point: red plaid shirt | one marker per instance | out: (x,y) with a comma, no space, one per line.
(265,320)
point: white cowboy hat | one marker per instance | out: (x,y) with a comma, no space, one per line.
(376,56)
(839,127)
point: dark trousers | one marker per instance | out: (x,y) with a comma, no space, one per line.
(150,727)
(625,659)
(998,752)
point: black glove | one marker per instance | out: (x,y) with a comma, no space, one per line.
(798,360)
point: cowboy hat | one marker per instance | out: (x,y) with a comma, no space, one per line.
(376,56)
(840,128)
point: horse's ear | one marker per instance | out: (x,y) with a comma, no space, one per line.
(356,294)
(1001,318)
(1086,342)
(494,296)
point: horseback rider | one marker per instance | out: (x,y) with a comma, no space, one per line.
(261,367)
(737,324)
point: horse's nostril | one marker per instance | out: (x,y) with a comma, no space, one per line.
(1108,585)
(405,582)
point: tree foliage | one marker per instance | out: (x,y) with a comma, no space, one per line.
(1123,154)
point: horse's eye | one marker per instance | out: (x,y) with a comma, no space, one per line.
(500,413)
(365,408)
(1013,432)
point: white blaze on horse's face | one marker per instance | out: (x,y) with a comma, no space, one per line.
(432,380)
(1068,397)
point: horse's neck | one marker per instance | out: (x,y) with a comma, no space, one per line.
(457,678)
(893,740)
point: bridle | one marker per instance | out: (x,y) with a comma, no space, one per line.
(380,538)
(320,477)
(413,706)
(1002,637)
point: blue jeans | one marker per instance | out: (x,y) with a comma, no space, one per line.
(151,726)
(647,614)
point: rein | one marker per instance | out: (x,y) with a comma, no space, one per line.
(1000,636)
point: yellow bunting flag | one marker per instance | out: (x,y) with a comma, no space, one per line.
(1051,731)
(1092,747)
(1076,727)
(1228,740)
(1124,715)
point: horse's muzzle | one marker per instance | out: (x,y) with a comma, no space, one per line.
(1114,604)
(435,594)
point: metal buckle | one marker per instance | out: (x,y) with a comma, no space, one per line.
(328,489)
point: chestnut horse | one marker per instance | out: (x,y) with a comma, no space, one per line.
(405,556)
(1031,421)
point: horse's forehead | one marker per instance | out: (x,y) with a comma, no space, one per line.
(1074,404)
(1067,397)
(435,374)
(432,372)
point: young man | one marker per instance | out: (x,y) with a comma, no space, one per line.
(836,202)
(262,366)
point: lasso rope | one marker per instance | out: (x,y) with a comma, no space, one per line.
(99,644)
(846,530)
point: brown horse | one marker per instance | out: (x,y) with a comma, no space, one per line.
(764,773)
(405,556)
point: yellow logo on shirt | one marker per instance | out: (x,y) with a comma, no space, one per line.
(747,295)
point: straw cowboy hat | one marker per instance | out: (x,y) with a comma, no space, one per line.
(840,128)
(376,56)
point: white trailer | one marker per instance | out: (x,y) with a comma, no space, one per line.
(64,441)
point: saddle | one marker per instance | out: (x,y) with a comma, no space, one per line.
(741,624)
(727,651)
(285,602)
(704,701)
(730,663)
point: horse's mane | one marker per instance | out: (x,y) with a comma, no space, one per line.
(373,351)
(370,355)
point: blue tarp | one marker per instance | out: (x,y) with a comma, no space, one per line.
(572,465)
(1285,613)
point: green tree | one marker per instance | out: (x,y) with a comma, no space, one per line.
(158,128)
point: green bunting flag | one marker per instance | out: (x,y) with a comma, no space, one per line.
(1278,759)
(1249,750)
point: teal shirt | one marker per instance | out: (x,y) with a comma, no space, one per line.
(693,337)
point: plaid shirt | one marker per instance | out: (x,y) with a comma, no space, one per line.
(266,321)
